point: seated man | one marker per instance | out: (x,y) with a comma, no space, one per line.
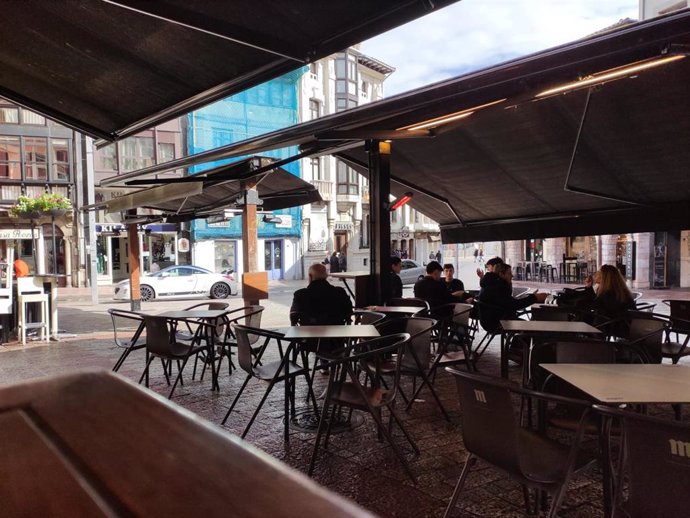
(431,288)
(497,301)
(396,282)
(320,303)
(455,286)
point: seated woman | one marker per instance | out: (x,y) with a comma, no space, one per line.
(611,300)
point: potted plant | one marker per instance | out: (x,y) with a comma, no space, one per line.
(47,204)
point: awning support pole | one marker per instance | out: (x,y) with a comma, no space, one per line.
(380,220)
(249,233)
(134,286)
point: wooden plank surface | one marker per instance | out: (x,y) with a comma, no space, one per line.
(627,383)
(105,443)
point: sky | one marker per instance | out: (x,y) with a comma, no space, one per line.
(473,34)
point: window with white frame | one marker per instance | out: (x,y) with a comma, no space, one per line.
(348,179)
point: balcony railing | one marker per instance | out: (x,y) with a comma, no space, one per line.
(325,189)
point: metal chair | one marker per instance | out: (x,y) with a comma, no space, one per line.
(249,316)
(362,317)
(491,433)
(657,457)
(346,390)
(679,323)
(274,372)
(161,343)
(416,355)
(128,341)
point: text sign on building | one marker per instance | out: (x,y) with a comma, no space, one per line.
(285,221)
(16,233)
(343,225)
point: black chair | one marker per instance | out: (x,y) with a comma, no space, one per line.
(190,330)
(646,334)
(491,432)
(657,458)
(553,313)
(363,317)
(679,323)
(416,355)
(284,370)
(249,316)
(127,329)
(345,390)
(162,343)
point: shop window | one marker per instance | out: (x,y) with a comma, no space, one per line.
(224,255)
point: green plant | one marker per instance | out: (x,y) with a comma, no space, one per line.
(43,203)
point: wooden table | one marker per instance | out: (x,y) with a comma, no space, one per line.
(325,332)
(627,383)
(537,327)
(94,444)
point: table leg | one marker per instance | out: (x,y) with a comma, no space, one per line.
(504,354)
(347,287)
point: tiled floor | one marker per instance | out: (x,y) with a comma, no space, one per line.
(356,464)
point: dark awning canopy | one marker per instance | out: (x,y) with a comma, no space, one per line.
(210,193)
(606,152)
(112,68)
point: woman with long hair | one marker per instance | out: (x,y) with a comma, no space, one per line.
(612,298)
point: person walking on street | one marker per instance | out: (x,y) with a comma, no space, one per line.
(335,263)
(438,257)
(476,254)
(342,261)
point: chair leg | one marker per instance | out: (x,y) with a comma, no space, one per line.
(237,397)
(322,422)
(425,381)
(258,408)
(375,412)
(122,359)
(145,374)
(471,460)
(404,430)
(178,377)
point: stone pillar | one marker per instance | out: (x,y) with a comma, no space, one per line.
(514,252)
(607,245)
(555,248)
(645,245)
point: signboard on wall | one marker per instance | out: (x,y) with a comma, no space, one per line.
(343,225)
(16,233)
(183,245)
(285,221)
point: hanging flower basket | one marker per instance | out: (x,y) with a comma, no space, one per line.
(46,204)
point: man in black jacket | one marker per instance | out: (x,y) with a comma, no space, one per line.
(396,282)
(497,301)
(431,288)
(320,303)
(490,276)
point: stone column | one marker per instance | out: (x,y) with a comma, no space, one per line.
(514,252)
(555,248)
(607,245)
(645,245)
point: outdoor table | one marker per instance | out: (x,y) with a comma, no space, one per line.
(360,278)
(308,420)
(510,328)
(401,310)
(210,316)
(95,444)
(615,384)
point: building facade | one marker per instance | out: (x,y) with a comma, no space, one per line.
(270,106)
(158,243)
(37,155)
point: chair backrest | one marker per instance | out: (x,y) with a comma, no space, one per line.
(127,326)
(419,330)
(29,285)
(489,429)
(159,335)
(245,337)
(211,306)
(367,317)
(408,301)
(552,313)
(680,316)
(658,458)
(646,335)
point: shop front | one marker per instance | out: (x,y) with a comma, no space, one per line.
(20,240)
(158,243)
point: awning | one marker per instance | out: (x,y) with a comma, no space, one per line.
(496,155)
(111,68)
(209,193)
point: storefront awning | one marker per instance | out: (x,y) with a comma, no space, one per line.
(209,193)
(583,139)
(111,68)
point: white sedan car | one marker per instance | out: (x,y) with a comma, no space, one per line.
(411,271)
(181,281)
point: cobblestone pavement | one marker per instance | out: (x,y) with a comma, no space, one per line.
(356,464)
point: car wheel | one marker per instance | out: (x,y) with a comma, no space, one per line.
(147,293)
(220,290)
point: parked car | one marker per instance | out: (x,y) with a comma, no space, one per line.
(181,281)
(411,271)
